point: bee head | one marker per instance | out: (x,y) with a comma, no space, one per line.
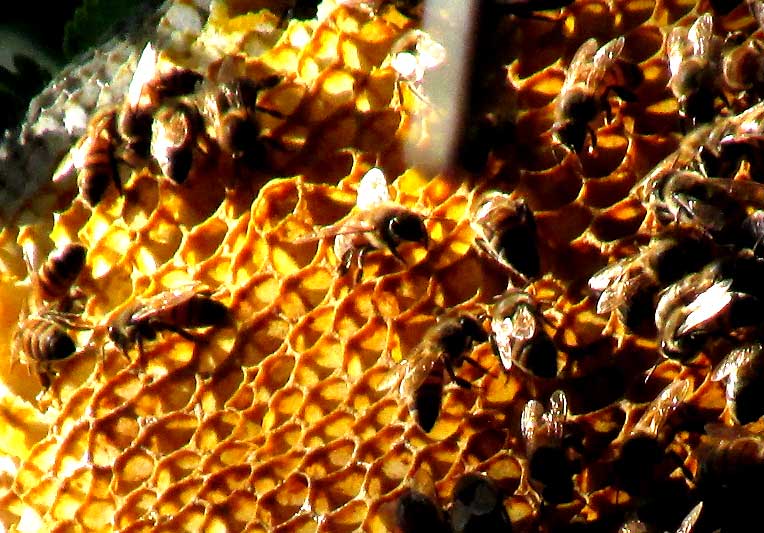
(237,132)
(59,345)
(571,133)
(118,336)
(405,226)
(472,329)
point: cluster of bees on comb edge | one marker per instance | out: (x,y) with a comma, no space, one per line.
(693,287)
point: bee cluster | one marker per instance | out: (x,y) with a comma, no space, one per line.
(558,332)
(171,121)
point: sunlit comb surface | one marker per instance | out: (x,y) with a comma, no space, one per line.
(287,415)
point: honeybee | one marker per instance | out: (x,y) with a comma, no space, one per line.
(643,450)
(631,285)
(96,159)
(41,339)
(716,206)
(724,297)
(232,109)
(478,506)
(687,525)
(147,91)
(444,348)
(743,368)
(175,130)
(378,223)
(416,512)
(415,53)
(173,310)
(505,230)
(549,468)
(731,463)
(54,279)
(686,312)
(694,55)
(730,141)
(581,98)
(518,335)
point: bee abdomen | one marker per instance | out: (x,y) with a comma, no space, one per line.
(61,270)
(203,311)
(99,169)
(427,400)
(45,341)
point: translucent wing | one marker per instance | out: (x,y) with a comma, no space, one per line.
(417,368)
(609,275)
(689,521)
(707,306)
(701,35)
(757,10)
(663,405)
(603,60)
(159,303)
(406,65)
(677,47)
(531,421)
(523,323)
(144,73)
(578,70)
(372,190)
(558,412)
(431,52)
(620,290)
(735,359)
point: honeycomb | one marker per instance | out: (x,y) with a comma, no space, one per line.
(288,417)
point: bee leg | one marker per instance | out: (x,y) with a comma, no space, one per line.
(476,365)
(456,379)
(182,332)
(593,135)
(359,263)
(345,262)
(141,352)
(271,112)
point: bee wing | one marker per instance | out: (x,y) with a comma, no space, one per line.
(747,192)
(677,48)
(706,306)
(578,70)
(689,521)
(160,302)
(523,323)
(733,360)
(603,60)
(701,35)
(416,370)
(344,227)
(144,73)
(663,405)
(757,10)
(405,64)
(431,52)
(503,332)
(531,420)
(557,414)
(633,526)
(722,432)
(372,190)
(607,276)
